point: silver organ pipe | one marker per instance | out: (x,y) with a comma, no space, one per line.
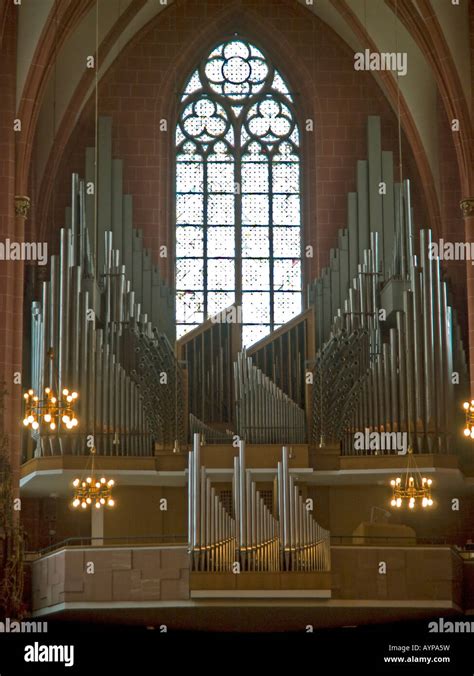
(264,413)
(111,332)
(252,537)
(211,530)
(385,358)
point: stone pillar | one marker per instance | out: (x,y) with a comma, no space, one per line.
(12,228)
(97,525)
(467,208)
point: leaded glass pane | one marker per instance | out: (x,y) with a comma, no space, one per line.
(236,70)
(189,241)
(255,242)
(189,307)
(279,85)
(179,136)
(204,120)
(252,334)
(255,307)
(194,84)
(189,177)
(189,152)
(221,151)
(220,177)
(254,177)
(286,209)
(286,177)
(220,242)
(189,209)
(220,274)
(220,210)
(286,153)
(218,301)
(286,242)
(295,137)
(287,274)
(255,210)
(269,121)
(286,306)
(189,274)
(238,193)
(254,151)
(256,273)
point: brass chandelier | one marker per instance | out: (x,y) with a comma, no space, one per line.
(93,490)
(412,487)
(468,407)
(53,410)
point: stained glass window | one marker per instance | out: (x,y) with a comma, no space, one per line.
(238,220)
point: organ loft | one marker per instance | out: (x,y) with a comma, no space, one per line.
(238,367)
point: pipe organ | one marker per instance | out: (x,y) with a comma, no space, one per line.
(284,355)
(209,435)
(379,339)
(107,318)
(264,413)
(252,537)
(208,352)
(387,334)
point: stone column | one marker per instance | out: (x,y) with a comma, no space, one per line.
(11,228)
(97,526)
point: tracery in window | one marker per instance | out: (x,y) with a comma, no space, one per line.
(238,220)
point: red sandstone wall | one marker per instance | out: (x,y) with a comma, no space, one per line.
(451,215)
(11,272)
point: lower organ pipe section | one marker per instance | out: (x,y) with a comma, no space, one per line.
(212,530)
(252,538)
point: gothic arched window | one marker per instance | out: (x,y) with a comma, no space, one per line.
(238,222)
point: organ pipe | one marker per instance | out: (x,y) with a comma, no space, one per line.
(252,536)
(385,363)
(109,340)
(264,413)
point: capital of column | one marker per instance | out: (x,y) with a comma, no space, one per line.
(467,207)
(22,206)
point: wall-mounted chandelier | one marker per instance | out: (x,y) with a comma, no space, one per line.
(468,407)
(412,487)
(93,490)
